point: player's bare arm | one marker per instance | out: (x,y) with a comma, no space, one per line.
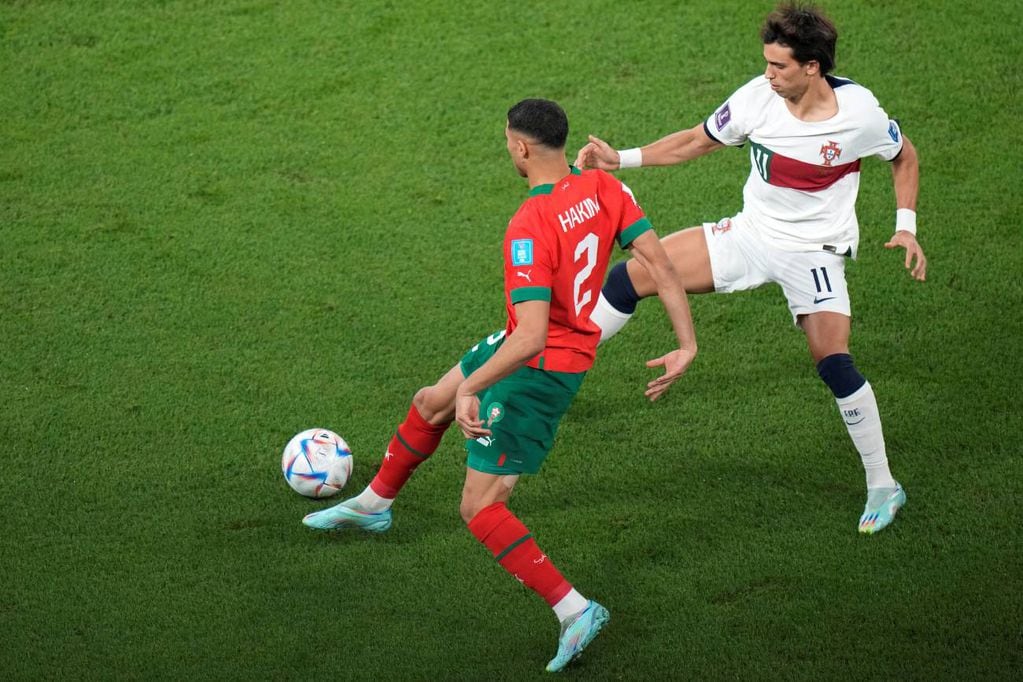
(648,251)
(681,146)
(522,345)
(906,177)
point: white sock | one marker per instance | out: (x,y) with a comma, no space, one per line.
(371,502)
(570,605)
(859,411)
(608,318)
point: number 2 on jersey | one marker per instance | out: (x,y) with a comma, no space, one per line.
(588,248)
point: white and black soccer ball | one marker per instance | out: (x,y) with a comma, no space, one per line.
(317,463)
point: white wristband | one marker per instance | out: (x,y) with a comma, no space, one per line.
(630,158)
(905,220)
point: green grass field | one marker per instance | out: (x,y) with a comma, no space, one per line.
(222,223)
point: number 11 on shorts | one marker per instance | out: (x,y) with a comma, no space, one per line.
(817,280)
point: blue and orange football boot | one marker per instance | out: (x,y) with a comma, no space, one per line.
(882,506)
(348,515)
(577,634)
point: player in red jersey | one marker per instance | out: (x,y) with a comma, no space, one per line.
(510,390)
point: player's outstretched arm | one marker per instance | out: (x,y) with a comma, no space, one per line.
(597,154)
(521,346)
(906,177)
(647,249)
(676,148)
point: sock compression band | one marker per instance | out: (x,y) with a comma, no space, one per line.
(618,290)
(840,374)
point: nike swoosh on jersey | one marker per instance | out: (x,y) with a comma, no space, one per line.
(821,300)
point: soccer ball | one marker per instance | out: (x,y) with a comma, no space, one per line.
(317,463)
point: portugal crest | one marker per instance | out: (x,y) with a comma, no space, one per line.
(830,152)
(722,226)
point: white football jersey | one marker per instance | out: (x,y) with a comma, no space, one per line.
(801,191)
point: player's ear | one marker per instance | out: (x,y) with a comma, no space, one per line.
(812,67)
(522,147)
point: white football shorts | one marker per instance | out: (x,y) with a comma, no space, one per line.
(740,259)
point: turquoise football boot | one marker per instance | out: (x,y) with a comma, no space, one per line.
(577,634)
(882,506)
(349,515)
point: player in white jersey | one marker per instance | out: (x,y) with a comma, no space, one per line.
(806,131)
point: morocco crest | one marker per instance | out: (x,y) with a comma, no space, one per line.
(830,152)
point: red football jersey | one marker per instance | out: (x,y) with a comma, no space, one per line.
(557,248)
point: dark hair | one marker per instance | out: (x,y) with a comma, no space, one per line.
(806,30)
(541,119)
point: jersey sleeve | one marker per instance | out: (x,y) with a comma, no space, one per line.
(884,137)
(634,222)
(528,261)
(629,218)
(879,135)
(730,124)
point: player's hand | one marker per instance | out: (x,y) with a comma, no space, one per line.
(597,154)
(467,411)
(675,365)
(907,240)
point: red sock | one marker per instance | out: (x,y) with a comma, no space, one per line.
(415,440)
(514,548)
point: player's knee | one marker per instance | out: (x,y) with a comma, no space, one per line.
(469,508)
(432,407)
(840,374)
(619,291)
(477,498)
